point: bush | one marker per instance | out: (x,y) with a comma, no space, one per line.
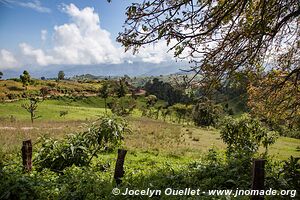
(78,149)
(245,135)
(122,106)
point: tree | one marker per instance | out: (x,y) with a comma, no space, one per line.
(276,105)
(122,106)
(219,37)
(206,112)
(244,136)
(104,93)
(1,74)
(227,35)
(25,78)
(180,111)
(44,91)
(31,108)
(165,91)
(60,75)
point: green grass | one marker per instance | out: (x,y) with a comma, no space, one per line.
(148,136)
(50,110)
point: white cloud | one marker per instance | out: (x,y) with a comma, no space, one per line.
(82,41)
(7,59)
(155,53)
(38,55)
(35,5)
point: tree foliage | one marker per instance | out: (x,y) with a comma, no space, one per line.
(61,75)
(25,78)
(275,97)
(44,91)
(245,135)
(165,91)
(206,112)
(1,74)
(181,111)
(218,36)
(121,88)
(223,37)
(104,93)
(122,106)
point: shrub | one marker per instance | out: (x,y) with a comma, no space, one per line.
(122,106)
(80,148)
(245,135)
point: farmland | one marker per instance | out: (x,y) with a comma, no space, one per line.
(156,145)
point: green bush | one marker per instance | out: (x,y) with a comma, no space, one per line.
(245,135)
(78,149)
(122,106)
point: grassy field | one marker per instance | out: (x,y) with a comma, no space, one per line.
(148,135)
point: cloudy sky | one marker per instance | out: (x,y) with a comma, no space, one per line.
(36,34)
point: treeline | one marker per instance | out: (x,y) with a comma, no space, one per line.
(165,91)
(230,98)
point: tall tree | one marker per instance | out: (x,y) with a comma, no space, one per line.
(25,78)
(222,37)
(1,74)
(219,37)
(61,75)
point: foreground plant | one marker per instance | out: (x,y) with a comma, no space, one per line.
(80,148)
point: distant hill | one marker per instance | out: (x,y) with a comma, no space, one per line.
(130,69)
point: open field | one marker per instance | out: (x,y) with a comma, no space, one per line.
(148,135)
(160,154)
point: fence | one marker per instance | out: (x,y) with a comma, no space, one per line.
(258,169)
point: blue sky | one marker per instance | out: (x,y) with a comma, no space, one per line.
(40,33)
(19,23)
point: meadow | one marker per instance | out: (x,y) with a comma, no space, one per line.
(148,135)
(161,152)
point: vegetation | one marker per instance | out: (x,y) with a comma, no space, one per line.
(206,113)
(79,149)
(25,79)
(73,174)
(61,75)
(31,108)
(242,97)
(228,38)
(165,91)
(104,93)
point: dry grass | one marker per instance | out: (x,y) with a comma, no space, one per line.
(171,139)
(148,135)
(13,133)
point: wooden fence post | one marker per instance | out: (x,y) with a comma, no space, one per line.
(119,169)
(258,177)
(27,155)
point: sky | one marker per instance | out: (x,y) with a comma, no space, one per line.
(40,34)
